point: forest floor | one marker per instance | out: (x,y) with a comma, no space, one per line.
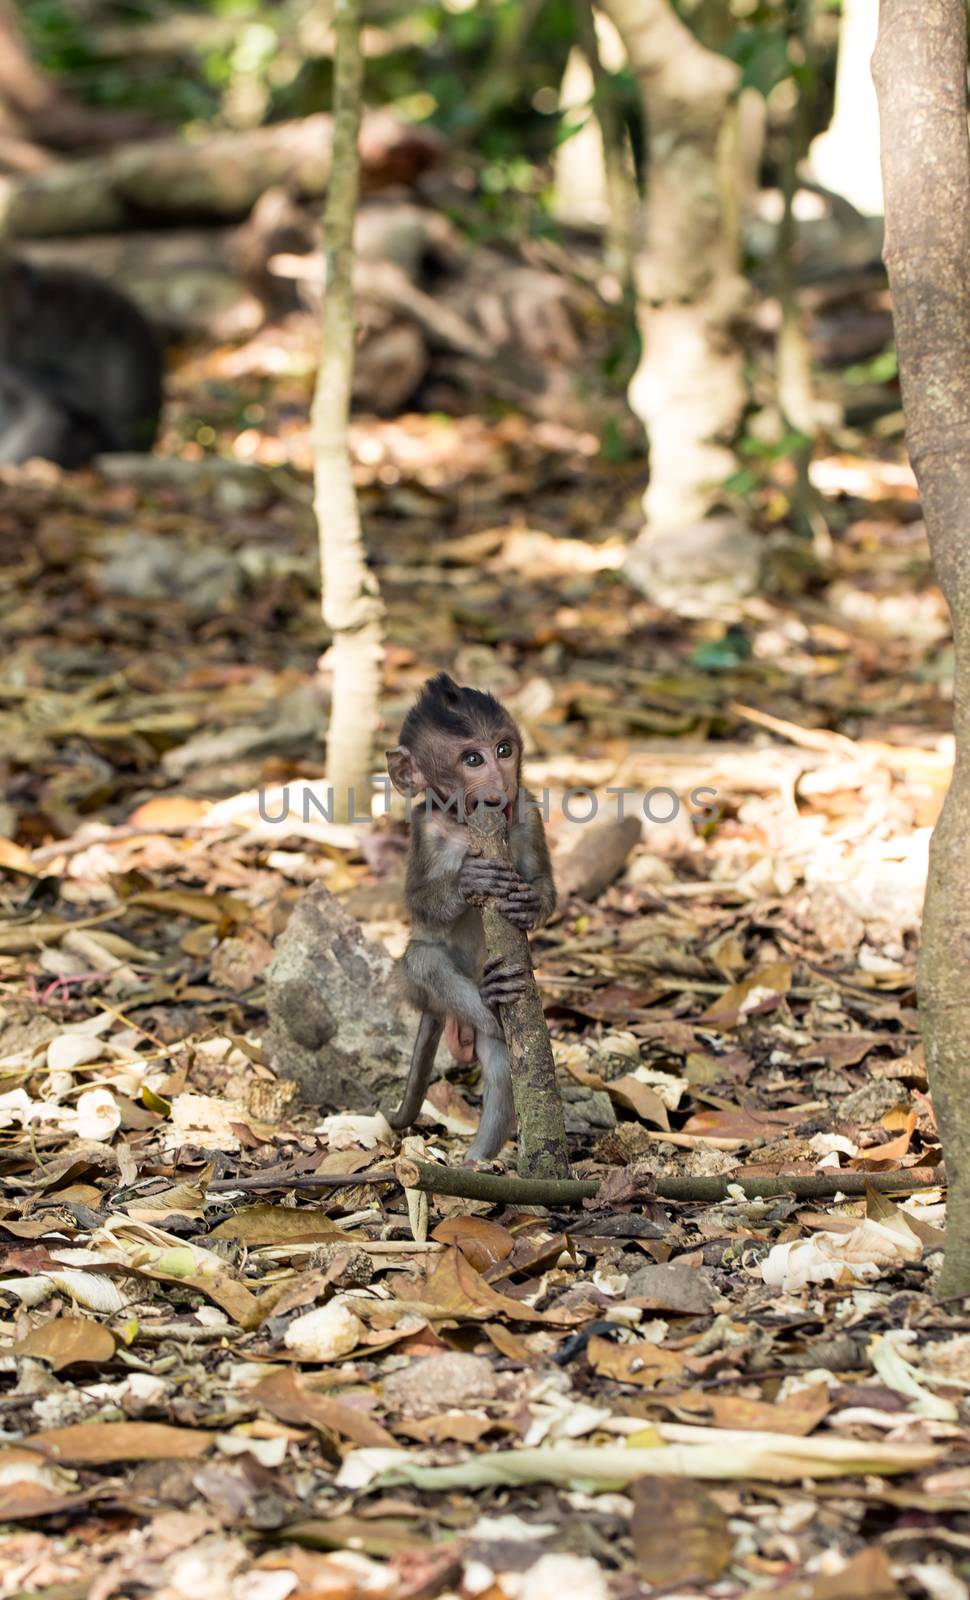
(267,1394)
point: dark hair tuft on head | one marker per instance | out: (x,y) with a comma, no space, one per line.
(445,704)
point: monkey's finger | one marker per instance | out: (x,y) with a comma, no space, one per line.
(495,987)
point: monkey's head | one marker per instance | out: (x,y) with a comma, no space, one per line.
(459,744)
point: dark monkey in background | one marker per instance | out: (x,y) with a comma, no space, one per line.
(80,369)
(461,748)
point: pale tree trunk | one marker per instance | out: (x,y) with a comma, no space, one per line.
(595,182)
(797,401)
(352,607)
(920,69)
(689,388)
(845,158)
(580,196)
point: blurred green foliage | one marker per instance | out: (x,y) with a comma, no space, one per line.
(485,72)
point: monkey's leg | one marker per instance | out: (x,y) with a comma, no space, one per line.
(498,1112)
(502,982)
(436,984)
(419,1073)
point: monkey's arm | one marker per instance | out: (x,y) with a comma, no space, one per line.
(443,879)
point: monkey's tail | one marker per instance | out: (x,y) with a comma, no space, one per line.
(426,1043)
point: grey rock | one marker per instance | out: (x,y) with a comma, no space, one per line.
(426,1387)
(711,563)
(144,566)
(586,1109)
(336,1025)
(674,1287)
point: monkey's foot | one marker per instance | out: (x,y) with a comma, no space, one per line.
(502,982)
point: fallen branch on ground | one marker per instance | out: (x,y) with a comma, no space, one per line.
(569,1193)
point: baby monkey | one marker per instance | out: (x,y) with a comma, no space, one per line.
(460,748)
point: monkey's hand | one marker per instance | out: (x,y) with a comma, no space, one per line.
(502,982)
(480,881)
(520,905)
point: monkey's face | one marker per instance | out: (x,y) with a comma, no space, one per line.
(488,770)
(462,772)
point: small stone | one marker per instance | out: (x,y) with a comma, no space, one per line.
(438,1383)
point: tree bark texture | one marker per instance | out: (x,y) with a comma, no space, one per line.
(689,387)
(352,607)
(919,69)
(538,1106)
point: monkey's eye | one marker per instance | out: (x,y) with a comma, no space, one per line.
(474,758)
(504,750)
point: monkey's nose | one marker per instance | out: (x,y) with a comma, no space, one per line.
(484,797)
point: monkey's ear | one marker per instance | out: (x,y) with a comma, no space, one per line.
(403,771)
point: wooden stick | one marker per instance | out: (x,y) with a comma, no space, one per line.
(543,1152)
(568,1193)
(564,1194)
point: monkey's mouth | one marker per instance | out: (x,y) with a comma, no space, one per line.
(491,802)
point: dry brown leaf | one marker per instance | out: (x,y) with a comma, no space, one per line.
(266,1224)
(514,1346)
(641,1363)
(680,1534)
(457,1426)
(866,1576)
(764,990)
(798,1415)
(452,1288)
(65,1341)
(168,813)
(200,907)
(744,1124)
(638,1097)
(21,1502)
(287,1398)
(841,1049)
(180,1199)
(96,1443)
(481,1242)
(15,858)
(893,1149)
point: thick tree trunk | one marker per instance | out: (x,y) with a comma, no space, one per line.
(220,177)
(688,390)
(543,1151)
(352,607)
(920,69)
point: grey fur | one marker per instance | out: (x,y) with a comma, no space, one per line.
(444,963)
